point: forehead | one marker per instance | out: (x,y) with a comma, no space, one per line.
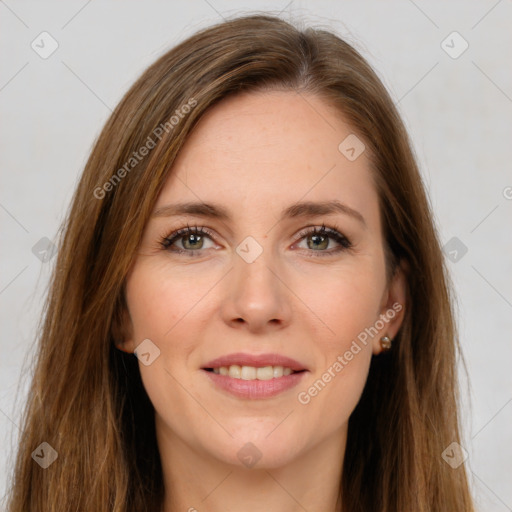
(270,149)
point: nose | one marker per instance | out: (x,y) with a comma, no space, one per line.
(256,296)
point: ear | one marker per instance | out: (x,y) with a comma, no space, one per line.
(122,329)
(392,309)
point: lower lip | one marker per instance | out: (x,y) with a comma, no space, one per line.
(255,389)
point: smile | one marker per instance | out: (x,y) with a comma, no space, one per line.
(254,376)
(236,371)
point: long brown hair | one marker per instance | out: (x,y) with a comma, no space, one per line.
(86,398)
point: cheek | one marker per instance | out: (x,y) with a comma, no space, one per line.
(162,304)
(345,301)
(344,350)
(160,298)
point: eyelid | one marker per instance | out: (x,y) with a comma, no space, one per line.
(174,235)
(333,232)
(314,229)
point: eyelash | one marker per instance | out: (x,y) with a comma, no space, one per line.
(345,244)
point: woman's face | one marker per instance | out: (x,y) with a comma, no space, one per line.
(259,288)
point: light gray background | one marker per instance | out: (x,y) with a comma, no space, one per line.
(458,112)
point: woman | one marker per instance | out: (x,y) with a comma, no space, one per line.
(250,309)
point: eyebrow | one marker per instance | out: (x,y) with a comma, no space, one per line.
(297,210)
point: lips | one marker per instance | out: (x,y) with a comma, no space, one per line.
(255,360)
(254,377)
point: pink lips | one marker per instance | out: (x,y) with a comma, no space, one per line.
(258,361)
(255,389)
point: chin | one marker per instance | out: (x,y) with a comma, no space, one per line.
(258,450)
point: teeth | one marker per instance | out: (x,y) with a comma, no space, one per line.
(248,373)
(235,371)
(265,373)
(252,373)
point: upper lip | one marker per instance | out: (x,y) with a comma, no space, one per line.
(256,360)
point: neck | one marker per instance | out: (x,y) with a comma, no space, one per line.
(195,481)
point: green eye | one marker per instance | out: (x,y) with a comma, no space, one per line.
(192,239)
(318,239)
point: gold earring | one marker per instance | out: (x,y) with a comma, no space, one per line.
(385,343)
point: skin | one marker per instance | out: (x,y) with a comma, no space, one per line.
(256,154)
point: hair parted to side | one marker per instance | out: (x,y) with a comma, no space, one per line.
(86,397)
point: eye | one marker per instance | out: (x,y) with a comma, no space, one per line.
(318,240)
(191,239)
